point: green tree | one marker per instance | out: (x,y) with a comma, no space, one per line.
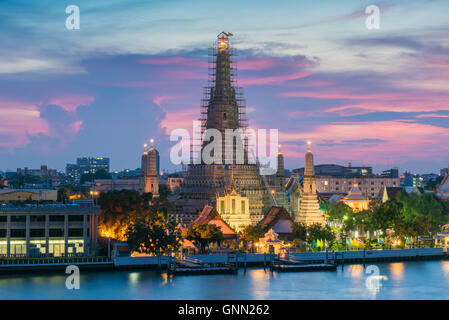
(384,215)
(203,235)
(299,232)
(252,233)
(120,208)
(318,231)
(64,193)
(153,235)
(164,191)
(421,214)
(337,210)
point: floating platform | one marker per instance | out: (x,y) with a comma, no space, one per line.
(304,267)
(203,270)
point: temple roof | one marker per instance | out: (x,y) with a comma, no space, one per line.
(392,192)
(443,188)
(444,185)
(209,215)
(355,194)
(275,215)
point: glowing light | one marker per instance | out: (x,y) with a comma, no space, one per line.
(151,140)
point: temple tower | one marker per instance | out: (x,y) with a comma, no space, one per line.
(223,108)
(309,210)
(149,170)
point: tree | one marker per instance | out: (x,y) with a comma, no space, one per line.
(384,215)
(252,233)
(203,235)
(299,232)
(318,231)
(421,214)
(153,235)
(337,210)
(164,191)
(120,208)
(64,193)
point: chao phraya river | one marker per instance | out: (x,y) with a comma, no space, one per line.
(401,280)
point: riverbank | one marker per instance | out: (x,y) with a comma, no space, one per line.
(261,260)
(242,260)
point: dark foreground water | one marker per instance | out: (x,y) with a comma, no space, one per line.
(408,280)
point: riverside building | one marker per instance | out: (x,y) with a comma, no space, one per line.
(52,230)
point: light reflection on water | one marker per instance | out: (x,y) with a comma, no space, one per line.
(410,280)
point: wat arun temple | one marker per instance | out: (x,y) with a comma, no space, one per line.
(238,190)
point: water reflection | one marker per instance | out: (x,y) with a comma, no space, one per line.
(167,279)
(410,280)
(134,278)
(397,270)
(260,283)
(356,271)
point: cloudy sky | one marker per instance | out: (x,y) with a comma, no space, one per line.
(135,70)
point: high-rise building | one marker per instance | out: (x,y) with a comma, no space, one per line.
(223,109)
(86,165)
(309,209)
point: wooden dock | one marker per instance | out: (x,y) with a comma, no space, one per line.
(290,263)
(304,267)
(189,266)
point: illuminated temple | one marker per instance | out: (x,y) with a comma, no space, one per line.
(223,108)
(309,208)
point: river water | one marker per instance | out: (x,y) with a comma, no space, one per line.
(401,280)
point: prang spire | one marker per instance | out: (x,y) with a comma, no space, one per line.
(223,111)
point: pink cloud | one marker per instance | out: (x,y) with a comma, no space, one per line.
(180,119)
(273,80)
(392,142)
(71,102)
(431,116)
(19,120)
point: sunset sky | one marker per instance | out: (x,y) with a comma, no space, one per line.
(135,71)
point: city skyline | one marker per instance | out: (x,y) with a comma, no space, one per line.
(369,97)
